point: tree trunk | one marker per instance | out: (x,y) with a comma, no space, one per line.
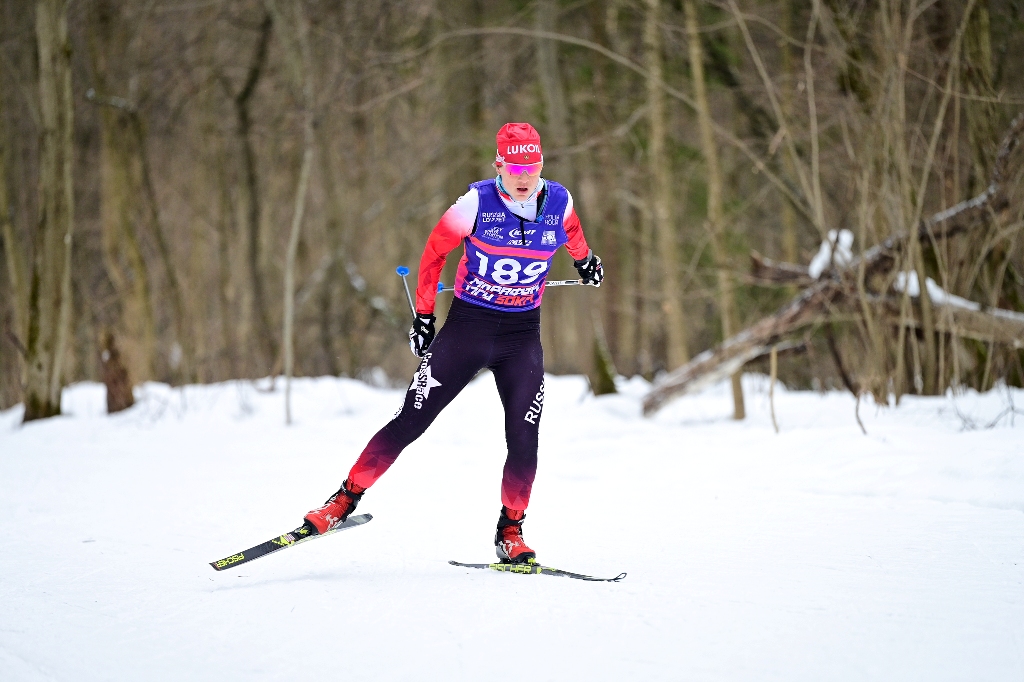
(982,115)
(628,315)
(179,315)
(49,312)
(218,176)
(249,189)
(664,220)
(122,252)
(16,273)
(299,60)
(115,377)
(119,234)
(564,354)
(602,379)
(289,269)
(558,134)
(715,217)
(336,246)
(646,292)
(16,266)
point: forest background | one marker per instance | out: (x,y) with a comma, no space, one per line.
(195,191)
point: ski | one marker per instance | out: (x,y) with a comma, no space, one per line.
(295,537)
(538,569)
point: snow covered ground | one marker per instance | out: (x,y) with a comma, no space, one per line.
(815,554)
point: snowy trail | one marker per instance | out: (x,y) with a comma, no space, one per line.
(818,553)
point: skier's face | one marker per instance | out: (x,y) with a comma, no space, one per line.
(523,185)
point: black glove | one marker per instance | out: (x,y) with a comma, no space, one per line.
(421,334)
(590,269)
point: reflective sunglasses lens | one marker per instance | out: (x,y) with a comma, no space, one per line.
(531,169)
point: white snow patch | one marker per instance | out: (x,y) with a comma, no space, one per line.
(907,281)
(818,553)
(841,242)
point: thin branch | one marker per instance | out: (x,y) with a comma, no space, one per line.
(780,118)
(812,110)
(13,338)
(964,95)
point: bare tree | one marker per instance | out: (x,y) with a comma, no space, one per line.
(122,249)
(715,212)
(49,313)
(297,54)
(661,174)
(250,190)
(12,248)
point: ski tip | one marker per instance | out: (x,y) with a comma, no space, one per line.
(619,577)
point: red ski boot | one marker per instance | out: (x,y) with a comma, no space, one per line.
(335,510)
(508,541)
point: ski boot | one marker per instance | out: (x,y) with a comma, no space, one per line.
(508,541)
(335,510)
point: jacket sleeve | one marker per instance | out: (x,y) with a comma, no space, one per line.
(455,225)
(577,244)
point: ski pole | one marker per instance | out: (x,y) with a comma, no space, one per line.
(404,272)
(441,288)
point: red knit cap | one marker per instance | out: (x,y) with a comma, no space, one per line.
(518,143)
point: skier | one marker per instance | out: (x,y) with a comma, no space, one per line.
(510,227)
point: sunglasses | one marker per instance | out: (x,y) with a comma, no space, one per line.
(530,169)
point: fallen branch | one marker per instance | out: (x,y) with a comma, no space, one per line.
(835,287)
(722,361)
(965,319)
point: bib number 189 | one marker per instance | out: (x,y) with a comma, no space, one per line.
(508,270)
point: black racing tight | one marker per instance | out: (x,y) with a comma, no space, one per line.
(472,338)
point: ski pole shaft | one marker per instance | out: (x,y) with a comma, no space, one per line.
(551,283)
(403,273)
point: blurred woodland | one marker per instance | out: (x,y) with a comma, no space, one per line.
(200,190)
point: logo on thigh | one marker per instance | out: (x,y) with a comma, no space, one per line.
(422,382)
(533,414)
